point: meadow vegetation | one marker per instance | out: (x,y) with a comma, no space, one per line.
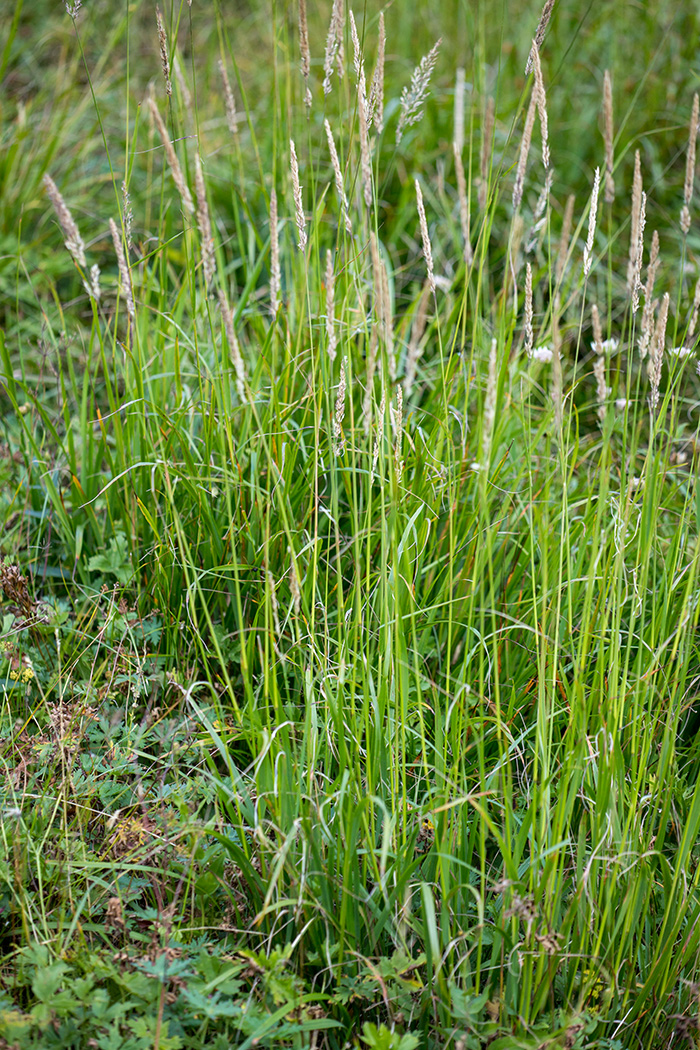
(349,558)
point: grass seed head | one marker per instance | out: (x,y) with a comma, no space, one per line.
(634,222)
(425,236)
(124,274)
(204,223)
(338,175)
(333,42)
(529,334)
(298,202)
(690,165)
(592,219)
(458,136)
(305,52)
(648,312)
(414,95)
(539,34)
(229,101)
(541,106)
(375,106)
(331,334)
(71,234)
(171,155)
(163,45)
(467,253)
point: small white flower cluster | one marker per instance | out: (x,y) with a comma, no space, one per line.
(607,346)
(681,351)
(540,353)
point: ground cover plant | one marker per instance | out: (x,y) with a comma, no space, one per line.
(349,581)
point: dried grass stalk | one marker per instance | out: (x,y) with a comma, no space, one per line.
(339,415)
(657,353)
(363,124)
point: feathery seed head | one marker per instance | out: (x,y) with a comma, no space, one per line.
(541,105)
(71,234)
(634,222)
(539,35)
(592,217)
(204,223)
(163,44)
(275,272)
(375,106)
(174,163)
(529,335)
(231,115)
(333,42)
(427,248)
(298,202)
(124,274)
(414,95)
(524,150)
(339,185)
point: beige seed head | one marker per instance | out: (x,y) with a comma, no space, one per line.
(486,146)
(529,333)
(648,312)
(489,406)
(601,386)
(557,377)
(690,165)
(608,137)
(298,202)
(304,50)
(356,49)
(338,437)
(174,163)
(592,218)
(338,175)
(692,325)
(231,115)
(234,347)
(634,222)
(657,353)
(71,234)
(204,223)
(539,35)
(375,105)
(637,278)
(363,124)
(331,334)
(425,236)
(597,330)
(413,97)
(524,150)
(333,42)
(397,420)
(124,275)
(541,105)
(163,44)
(128,217)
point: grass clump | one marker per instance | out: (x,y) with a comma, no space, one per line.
(350,543)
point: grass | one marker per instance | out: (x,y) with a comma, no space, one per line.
(350,653)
